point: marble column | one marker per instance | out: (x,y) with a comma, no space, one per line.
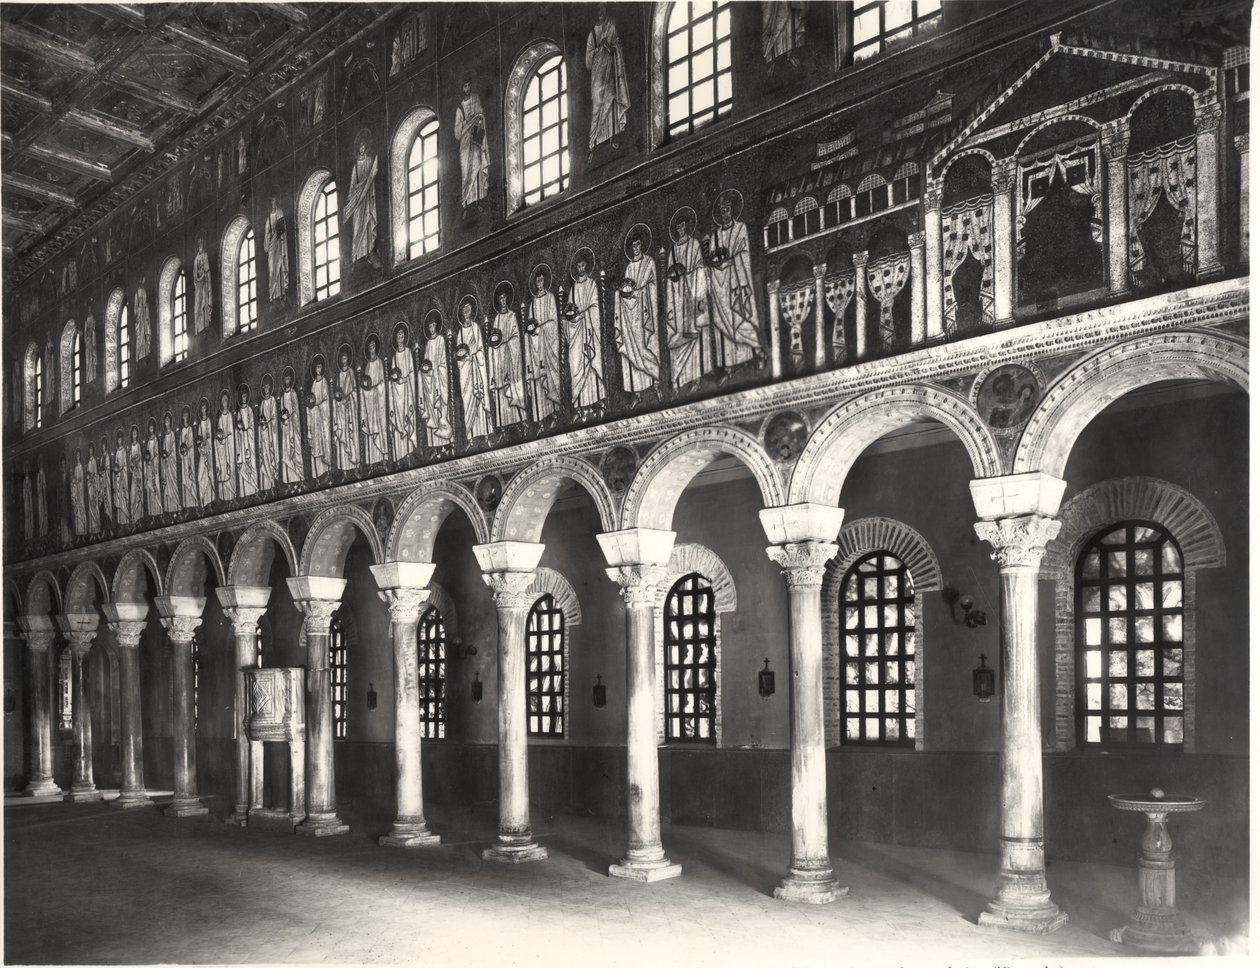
(918,292)
(859,304)
(1207,126)
(405,589)
(637,559)
(1242,144)
(1115,143)
(820,315)
(934,286)
(127,622)
(1004,179)
(318,598)
(244,606)
(802,540)
(1016,519)
(81,631)
(181,616)
(776,349)
(38,633)
(508,567)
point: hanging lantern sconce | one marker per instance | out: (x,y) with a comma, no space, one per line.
(601,693)
(765,681)
(476,687)
(983,681)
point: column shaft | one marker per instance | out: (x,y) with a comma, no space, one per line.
(859,305)
(245,657)
(1242,143)
(133,791)
(321,794)
(933,285)
(918,291)
(181,631)
(1004,241)
(84,786)
(820,315)
(776,350)
(1207,124)
(1116,149)
(41,780)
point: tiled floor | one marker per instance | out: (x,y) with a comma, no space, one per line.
(87,883)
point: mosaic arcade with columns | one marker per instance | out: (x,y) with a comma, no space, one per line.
(510,493)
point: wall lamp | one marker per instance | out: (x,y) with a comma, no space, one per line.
(371,696)
(476,687)
(972,617)
(983,681)
(601,693)
(765,681)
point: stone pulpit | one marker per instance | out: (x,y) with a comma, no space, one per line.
(275,703)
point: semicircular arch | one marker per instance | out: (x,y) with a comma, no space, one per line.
(43,595)
(529,496)
(254,551)
(191,564)
(324,551)
(421,516)
(129,577)
(80,597)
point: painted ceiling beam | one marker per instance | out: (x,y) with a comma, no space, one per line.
(40,45)
(71,161)
(163,99)
(116,130)
(288,11)
(196,43)
(37,189)
(128,14)
(24,95)
(14,221)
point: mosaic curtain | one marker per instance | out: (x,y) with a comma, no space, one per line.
(886,278)
(838,291)
(1169,169)
(796,304)
(967,228)
(1062,167)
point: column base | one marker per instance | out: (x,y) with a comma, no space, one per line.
(410,834)
(132,800)
(264,819)
(84,793)
(515,853)
(321,825)
(239,817)
(810,887)
(42,786)
(1040,919)
(645,873)
(1162,932)
(186,807)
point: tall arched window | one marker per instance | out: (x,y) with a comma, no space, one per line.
(39,391)
(76,375)
(247,285)
(172,308)
(113,318)
(878,697)
(545,131)
(692,83)
(258,645)
(337,667)
(30,361)
(1129,639)
(875,26)
(431,670)
(231,258)
(65,690)
(325,233)
(71,361)
(179,320)
(124,347)
(544,668)
(423,203)
(690,661)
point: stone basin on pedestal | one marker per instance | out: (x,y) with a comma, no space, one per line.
(1156,924)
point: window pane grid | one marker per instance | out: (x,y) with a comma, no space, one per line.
(875,26)
(545,132)
(76,363)
(196,671)
(878,697)
(544,668)
(124,348)
(422,193)
(39,391)
(1130,647)
(65,690)
(698,68)
(247,285)
(327,255)
(337,668)
(431,670)
(179,320)
(690,661)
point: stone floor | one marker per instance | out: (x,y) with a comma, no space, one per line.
(87,883)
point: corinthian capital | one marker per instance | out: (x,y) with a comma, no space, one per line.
(1019,542)
(1003,175)
(640,584)
(39,641)
(1115,142)
(181,628)
(803,562)
(317,613)
(126,633)
(81,640)
(405,604)
(244,618)
(509,588)
(1207,115)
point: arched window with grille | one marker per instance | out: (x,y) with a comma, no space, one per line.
(247,284)
(431,672)
(545,668)
(1129,639)
(76,375)
(876,26)
(326,234)
(691,63)
(38,383)
(877,611)
(124,347)
(337,668)
(113,316)
(415,186)
(690,661)
(65,690)
(71,363)
(179,320)
(172,309)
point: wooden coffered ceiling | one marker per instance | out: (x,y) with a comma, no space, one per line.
(91,94)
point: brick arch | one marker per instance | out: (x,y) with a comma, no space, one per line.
(128,586)
(1141,498)
(551,582)
(80,599)
(422,515)
(660,481)
(1088,388)
(190,566)
(866,535)
(330,537)
(842,436)
(251,559)
(441,599)
(528,498)
(43,595)
(692,556)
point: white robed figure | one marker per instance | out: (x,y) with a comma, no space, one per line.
(586,367)
(246,456)
(470,357)
(345,415)
(203,288)
(687,305)
(92,486)
(187,462)
(140,314)
(474,152)
(735,316)
(104,490)
(135,478)
(205,460)
(374,422)
(635,320)
(402,398)
(78,495)
(610,93)
(122,484)
(542,350)
(268,439)
(170,466)
(505,364)
(151,461)
(361,204)
(225,450)
(319,421)
(276,243)
(435,404)
(290,433)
